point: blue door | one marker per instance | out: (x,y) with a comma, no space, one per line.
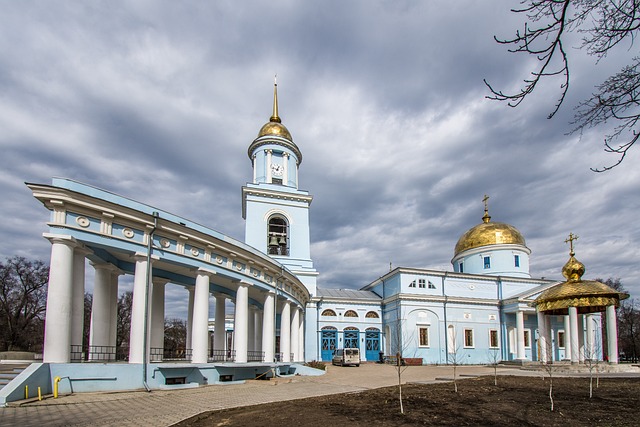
(351,338)
(329,338)
(372,345)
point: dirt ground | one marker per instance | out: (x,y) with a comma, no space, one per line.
(521,401)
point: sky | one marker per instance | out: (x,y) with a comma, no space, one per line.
(158,101)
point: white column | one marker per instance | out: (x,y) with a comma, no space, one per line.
(520,354)
(113,312)
(567,338)
(138,353)
(240,328)
(200,328)
(545,354)
(581,351)
(612,334)
(549,337)
(190,290)
(301,337)
(590,349)
(285,332)
(268,327)
(268,165)
(157,317)
(57,331)
(257,338)
(77,321)
(251,328)
(219,334)
(573,325)
(285,174)
(295,334)
(100,327)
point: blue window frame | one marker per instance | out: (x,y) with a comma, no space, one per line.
(516,260)
(487,262)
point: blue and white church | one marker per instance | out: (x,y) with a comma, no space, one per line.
(483,310)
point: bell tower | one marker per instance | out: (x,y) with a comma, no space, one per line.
(275,211)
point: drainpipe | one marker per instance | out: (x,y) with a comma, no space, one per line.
(319,332)
(446,331)
(503,327)
(145,338)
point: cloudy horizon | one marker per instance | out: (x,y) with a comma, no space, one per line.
(159,101)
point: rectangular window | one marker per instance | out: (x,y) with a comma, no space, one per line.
(468,337)
(493,338)
(560,339)
(461,267)
(516,260)
(527,338)
(424,337)
(487,262)
(422,283)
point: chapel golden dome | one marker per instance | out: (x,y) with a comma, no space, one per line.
(588,296)
(489,233)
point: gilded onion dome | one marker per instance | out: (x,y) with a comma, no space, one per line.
(588,296)
(489,233)
(275,128)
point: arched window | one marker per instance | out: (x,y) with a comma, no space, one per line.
(372,315)
(328,312)
(350,313)
(278,236)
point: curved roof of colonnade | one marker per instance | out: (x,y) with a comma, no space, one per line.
(116,228)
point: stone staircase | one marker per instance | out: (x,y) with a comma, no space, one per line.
(8,371)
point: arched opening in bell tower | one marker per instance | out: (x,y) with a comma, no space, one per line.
(278,236)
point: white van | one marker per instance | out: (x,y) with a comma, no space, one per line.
(346,357)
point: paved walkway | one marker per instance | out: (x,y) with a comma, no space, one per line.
(165,408)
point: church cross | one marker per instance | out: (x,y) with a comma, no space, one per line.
(486,204)
(570,240)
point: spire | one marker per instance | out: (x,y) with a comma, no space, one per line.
(486,218)
(275,117)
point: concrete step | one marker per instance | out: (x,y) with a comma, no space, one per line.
(9,371)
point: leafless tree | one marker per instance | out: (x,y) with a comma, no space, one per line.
(399,344)
(548,367)
(592,357)
(125,301)
(493,355)
(604,25)
(23,298)
(454,355)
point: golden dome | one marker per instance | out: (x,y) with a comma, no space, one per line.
(274,128)
(588,296)
(489,233)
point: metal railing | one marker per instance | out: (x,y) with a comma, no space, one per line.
(222,356)
(99,353)
(255,356)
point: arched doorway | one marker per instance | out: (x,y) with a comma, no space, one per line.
(372,344)
(329,338)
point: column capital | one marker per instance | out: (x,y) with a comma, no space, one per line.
(220,295)
(159,280)
(244,284)
(142,256)
(61,238)
(104,266)
(205,272)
